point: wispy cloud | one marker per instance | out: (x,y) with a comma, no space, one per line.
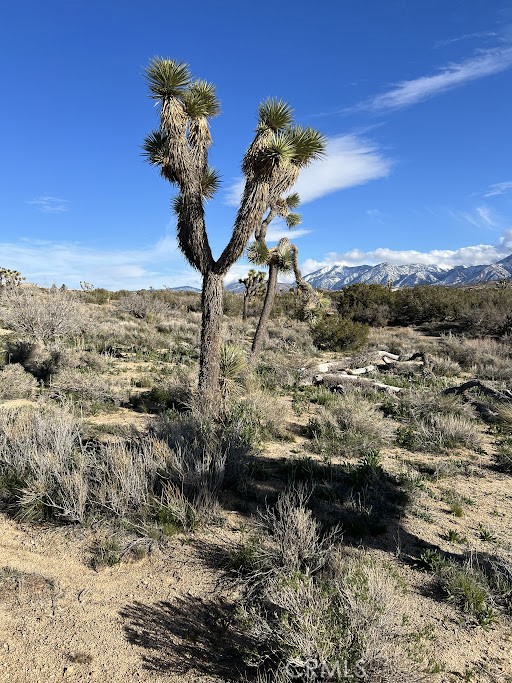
(349,161)
(407,93)
(45,262)
(467,36)
(276,233)
(48,204)
(480,217)
(498,188)
(469,256)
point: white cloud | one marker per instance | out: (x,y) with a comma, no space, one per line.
(469,256)
(47,204)
(45,262)
(277,233)
(410,92)
(349,161)
(498,188)
(467,36)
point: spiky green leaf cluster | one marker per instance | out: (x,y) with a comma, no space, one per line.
(167,78)
(274,115)
(285,258)
(210,182)
(308,143)
(258,253)
(295,144)
(292,220)
(293,200)
(200,100)
(154,148)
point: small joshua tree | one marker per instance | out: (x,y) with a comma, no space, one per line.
(179,148)
(254,285)
(280,259)
(10,278)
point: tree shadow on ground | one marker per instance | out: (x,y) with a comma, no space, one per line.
(188,634)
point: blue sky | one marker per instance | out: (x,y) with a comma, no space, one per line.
(414,97)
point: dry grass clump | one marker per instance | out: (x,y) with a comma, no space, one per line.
(169,478)
(287,335)
(434,422)
(256,418)
(312,610)
(485,357)
(43,463)
(87,388)
(43,315)
(443,366)
(351,425)
(402,341)
(145,306)
(16,383)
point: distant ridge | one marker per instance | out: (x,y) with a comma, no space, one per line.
(185,288)
(337,277)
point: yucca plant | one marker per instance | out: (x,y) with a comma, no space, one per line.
(179,148)
(233,365)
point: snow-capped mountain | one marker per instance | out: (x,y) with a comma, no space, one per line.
(337,277)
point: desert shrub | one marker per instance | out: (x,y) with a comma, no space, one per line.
(416,404)
(276,372)
(84,387)
(464,584)
(338,622)
(163,396)
(287,336)
(212,454)
(445,367)
(440,432)
(144,305)
(255,418)
(333,333)
(350,426)
(43,463)
(503,456)
(364,303)
(48,471)
(97,296)
(42,315)
(485,358)
(16,383)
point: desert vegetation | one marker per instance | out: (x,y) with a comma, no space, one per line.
(343,511)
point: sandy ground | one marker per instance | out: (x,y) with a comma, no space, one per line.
(164,618)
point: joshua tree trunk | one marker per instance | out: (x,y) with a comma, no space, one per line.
(244,311)
(267,308)
(209,362)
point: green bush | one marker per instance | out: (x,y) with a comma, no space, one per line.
(333,333)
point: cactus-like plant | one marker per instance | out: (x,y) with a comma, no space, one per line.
(254,285)
(180,150)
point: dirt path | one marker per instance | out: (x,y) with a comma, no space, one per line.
(59,610)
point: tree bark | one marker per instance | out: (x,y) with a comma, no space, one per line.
(244,311)
(211,323)
(267,308)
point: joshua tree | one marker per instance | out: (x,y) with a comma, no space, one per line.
(179,148)
(254,285)
(10,278)
(282,258)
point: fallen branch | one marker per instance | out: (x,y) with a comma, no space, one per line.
(337,382)
(504,396)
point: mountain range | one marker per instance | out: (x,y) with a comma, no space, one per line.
(337,277)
